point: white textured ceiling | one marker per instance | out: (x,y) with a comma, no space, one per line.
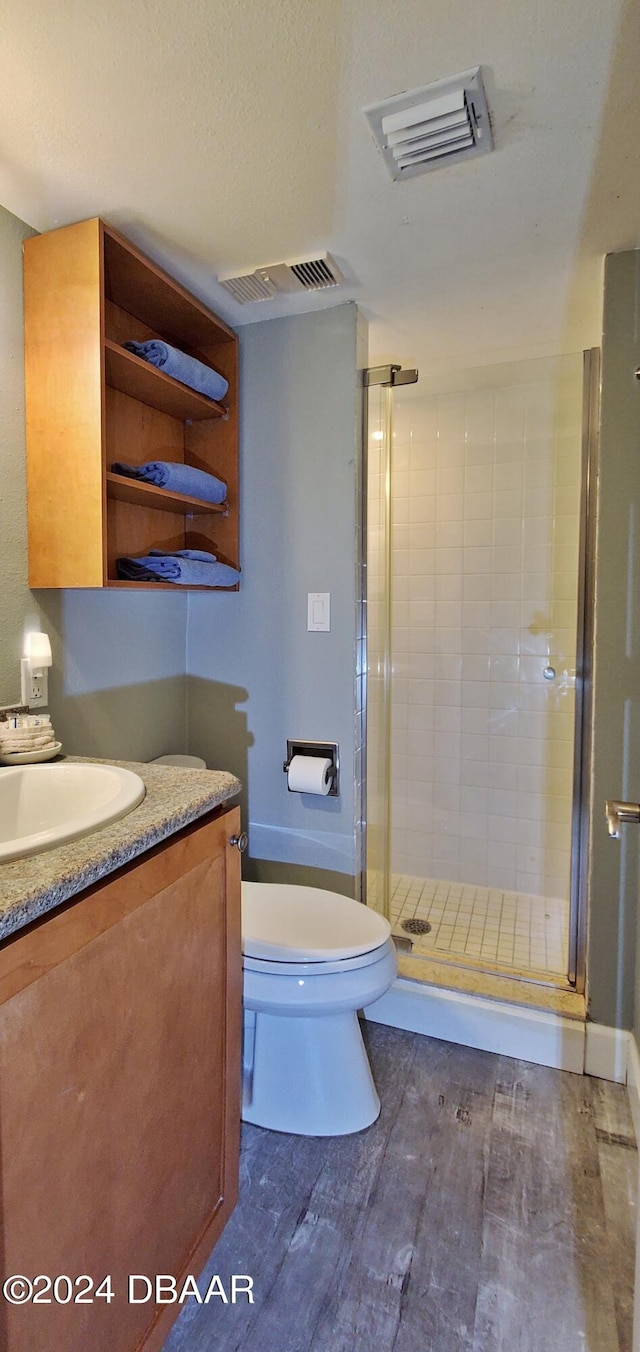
(222,136)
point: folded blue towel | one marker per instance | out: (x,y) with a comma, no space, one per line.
(186,568)
(183,554)
(178,478)
(188,370)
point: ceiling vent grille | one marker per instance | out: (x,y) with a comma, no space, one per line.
(307,274)
(436,125)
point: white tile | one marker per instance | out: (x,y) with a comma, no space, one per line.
(450,479)
(448,587)
(478,532)
(449,561)
(508,503)
(476,721)
(420,614)
(479,453)
(538,502)
(505,558)
(503,776)
(503,803)
(480,414)
(475,667)
(506,587)
(503,829)
(473,799)
(477,587)
(448,665)
(422,482)
(447,719)
(477,559)
(472,851)
(504,667)
(421,585)
(510,476)
(474,747)
(422,510)
(477,640)
(451,415)
(503,750)
(503,722)
(477,478)
(450,507)
(474,694)
(507,531)
(535,532)
(445,771)
(449,534)
(447,692)
(478,506)
(449,615)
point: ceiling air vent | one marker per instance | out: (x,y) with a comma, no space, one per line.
(432,126)
(307,274)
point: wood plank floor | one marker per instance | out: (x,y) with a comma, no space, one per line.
(491,1208)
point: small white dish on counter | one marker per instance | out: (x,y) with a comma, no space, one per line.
(42,806)
(31,757)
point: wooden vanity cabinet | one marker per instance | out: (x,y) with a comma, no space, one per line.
(120,1026)
(90,402)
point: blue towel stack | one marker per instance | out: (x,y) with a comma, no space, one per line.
(177,478)
(188,370)
(184,567)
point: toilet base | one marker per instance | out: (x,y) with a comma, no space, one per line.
(308,1076)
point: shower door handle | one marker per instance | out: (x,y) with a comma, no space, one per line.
(617,812)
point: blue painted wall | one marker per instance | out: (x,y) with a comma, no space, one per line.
(256,676)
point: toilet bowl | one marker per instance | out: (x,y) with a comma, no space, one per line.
(311,960)
(185,762)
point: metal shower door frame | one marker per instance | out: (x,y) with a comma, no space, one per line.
(581,807)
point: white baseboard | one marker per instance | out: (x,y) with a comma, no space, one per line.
(606,1052)
(490,1025)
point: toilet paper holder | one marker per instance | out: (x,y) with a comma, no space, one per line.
(325,751)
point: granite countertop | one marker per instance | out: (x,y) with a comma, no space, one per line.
(175,797)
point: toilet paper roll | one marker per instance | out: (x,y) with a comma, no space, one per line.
(308,774)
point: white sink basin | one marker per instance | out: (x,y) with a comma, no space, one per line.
(42,806)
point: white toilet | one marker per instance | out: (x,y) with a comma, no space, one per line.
(311,960)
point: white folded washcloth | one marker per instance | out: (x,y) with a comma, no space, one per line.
(17,747)
(25,739)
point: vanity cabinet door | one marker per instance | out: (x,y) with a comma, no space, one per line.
(119,1092)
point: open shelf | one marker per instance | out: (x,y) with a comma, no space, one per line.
(148,495)
(146,586)
(131,375)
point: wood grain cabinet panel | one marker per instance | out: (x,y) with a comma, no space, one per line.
(119,1090)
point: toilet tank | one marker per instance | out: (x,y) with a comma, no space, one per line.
(186,762)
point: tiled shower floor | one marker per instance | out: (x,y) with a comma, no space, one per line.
(483,925)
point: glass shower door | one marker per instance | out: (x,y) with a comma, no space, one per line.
(473,568)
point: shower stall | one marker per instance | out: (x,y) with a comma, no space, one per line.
(477,584)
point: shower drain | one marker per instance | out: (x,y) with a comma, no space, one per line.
(416,926)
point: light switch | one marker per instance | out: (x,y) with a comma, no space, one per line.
(319,612)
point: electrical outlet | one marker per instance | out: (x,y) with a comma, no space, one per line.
(33,685)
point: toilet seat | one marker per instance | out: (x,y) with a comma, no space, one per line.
(289,925)
(313,969)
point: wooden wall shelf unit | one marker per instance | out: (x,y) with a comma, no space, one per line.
(90,402)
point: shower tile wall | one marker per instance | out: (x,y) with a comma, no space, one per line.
(485,512)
